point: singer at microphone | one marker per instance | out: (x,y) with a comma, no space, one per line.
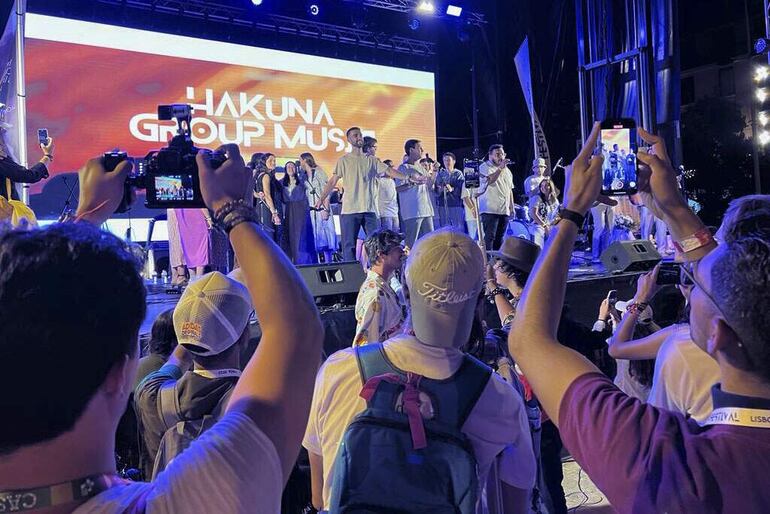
(496,196)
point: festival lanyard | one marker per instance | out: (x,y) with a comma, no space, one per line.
(218,373)
(21,500)
(737,416)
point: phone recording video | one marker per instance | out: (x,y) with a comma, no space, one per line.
(618,146)
(668,274)
(42,136)
(612,297)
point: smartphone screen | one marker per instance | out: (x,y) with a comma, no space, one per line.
(472,175)
(42,136)
(612,297)
(668,273)
(618,146)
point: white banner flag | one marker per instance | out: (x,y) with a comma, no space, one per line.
(525,78)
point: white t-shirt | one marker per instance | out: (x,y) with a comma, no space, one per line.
(468,193)
(683,376)
(359,178)
(532,184)
(497,197)
(416,201)
(387,198)
(233,467)
(497,422)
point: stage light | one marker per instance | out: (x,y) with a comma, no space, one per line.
(454,10)
(763,118)
(414,24)
(764,137)
(313,10)
(761,94)
(426,7)
(761,73)
(761,45)
(256,2)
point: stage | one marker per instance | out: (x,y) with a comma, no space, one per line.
(587,286)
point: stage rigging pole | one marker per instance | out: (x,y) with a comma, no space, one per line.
(21,94)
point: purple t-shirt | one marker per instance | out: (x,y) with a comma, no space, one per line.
(647,459)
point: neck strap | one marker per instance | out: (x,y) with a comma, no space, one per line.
(739,416)
(218,373)
(21,500)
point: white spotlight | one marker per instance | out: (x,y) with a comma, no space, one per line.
(764,137)
(761,73)
(426,7)
(256,2)
(761,95)
(763,118)
(454,10)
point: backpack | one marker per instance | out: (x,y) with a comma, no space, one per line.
(405,452)
(180,433)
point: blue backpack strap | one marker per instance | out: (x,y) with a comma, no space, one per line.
(471,379)
(372,362)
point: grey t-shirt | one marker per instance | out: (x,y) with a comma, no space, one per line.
(232,467)
(414,202)
(359,178)
(497,197)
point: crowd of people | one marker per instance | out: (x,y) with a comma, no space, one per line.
(425,412)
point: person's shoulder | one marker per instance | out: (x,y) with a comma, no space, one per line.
(118,499)
(339,362)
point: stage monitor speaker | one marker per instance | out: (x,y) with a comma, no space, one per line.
(623,256)
(333,283)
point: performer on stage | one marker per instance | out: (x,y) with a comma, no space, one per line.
(448,188)
(322,220)
(543,208)
(532,183)
(269,193)
(11,172)
(496,198)
(299,228)
(414,195)
(358,173)
(387,201)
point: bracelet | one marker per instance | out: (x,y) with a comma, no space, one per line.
(698,240)
(50,156)
(636,308)
(234,213)
(494,292)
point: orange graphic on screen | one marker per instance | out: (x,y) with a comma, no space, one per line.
(94,99)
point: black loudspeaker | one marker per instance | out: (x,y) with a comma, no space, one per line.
(334,283)
(622,256)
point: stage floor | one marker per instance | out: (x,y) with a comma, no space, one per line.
(588,284)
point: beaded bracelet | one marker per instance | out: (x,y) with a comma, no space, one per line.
(636,308)
(234,213)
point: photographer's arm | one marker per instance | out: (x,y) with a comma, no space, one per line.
(100,191)
(276,387)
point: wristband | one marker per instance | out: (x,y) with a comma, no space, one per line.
(636,308)
(698,240)
(574,217)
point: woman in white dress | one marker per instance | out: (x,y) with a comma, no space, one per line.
(323,223)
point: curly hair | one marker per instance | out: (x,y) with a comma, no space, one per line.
(740,279)
(519,275)
(381,242)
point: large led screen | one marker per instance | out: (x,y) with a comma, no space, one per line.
(97,87)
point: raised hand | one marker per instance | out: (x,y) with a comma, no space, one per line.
(100,190)
(230,182)
(584,178)
(658,187)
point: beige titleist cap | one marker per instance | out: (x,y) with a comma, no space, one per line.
(444,276)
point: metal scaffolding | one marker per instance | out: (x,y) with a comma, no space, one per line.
(405,6)
(239,16)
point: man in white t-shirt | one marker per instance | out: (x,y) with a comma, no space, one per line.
(387,201)
(414,194)
(495,197)
(444,277)
(72,340)
(358,173)
(532,183)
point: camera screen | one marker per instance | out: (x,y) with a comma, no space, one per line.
(173,188)
(619,149)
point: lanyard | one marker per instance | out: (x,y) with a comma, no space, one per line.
(736,416)
(58,494)
(218,373)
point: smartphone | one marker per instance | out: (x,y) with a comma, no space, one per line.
(42,136)
(668,273)
(612,297)
(618,145)
(472,174)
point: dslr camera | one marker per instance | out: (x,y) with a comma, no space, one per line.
(169,175)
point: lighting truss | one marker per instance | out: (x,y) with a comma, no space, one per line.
(407,6)
(212,11)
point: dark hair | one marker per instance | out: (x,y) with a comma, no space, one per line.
(162,335)
(71,303)
(286,180)
(449,154)
(642,371)
(740,279)
(254,161)
(517,274)
(746,216)
(351,129)
(389,162)
(369,141)
(410,143)
(381,241)
(309,158)
(494,147)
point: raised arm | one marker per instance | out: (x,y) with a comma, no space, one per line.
(532,339)
(276,387)
(327,191)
